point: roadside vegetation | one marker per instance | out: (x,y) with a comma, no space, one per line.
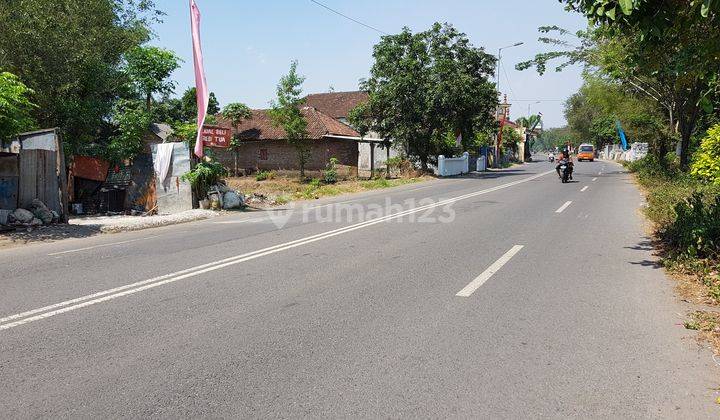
(651,67)
(269,187)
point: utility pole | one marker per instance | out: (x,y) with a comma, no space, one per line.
(497,87)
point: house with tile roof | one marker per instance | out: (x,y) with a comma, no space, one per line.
(264,146)
(338,106)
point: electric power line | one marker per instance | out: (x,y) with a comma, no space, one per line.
(349,18)
(507,79)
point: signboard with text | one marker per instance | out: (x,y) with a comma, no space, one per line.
(216,136)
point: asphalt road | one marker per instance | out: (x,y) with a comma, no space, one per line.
(508,295)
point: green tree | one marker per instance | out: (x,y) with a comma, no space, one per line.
(510,139)
(236,113)
(423,85)
(286,113)
(669,50)
(149,69)
(189,105)
(15,106)
(70,53)
(132,122)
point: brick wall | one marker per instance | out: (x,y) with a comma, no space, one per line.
(280,155)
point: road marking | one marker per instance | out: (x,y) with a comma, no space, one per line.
(584,188)
(600,173)
(485,275)
(102,245)
(132,288)
(594,179)
(563,207)
(234,222)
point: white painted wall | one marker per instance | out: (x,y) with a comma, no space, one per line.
(453,166)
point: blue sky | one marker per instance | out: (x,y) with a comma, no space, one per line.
(248,44)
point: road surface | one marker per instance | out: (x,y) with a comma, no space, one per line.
(507,295)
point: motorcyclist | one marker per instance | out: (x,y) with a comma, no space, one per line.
(565,158)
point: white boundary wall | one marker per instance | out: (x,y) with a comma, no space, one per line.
(453,166)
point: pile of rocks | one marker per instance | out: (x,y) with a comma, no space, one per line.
(38,214)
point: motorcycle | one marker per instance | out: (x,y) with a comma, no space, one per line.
(565,171)
(551,157)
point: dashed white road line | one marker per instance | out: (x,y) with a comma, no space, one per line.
(15,320)
(563,207)
(102,245)
(584,188)
(485,275)
(594,179)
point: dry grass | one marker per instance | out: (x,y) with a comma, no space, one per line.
(707,324)
(283,189)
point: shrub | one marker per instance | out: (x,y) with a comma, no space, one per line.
(330,174)
(263,175)
(706,162)
(695,232)
(315,183)
(204,176)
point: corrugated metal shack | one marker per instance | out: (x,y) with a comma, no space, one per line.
(36,171)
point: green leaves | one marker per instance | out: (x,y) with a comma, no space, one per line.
(15,106)
(427,84)
(626,6)
(286,113)
(149,69)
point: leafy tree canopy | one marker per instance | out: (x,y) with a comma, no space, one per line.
(70,54)
(149,70)
(424,84)
(15,106)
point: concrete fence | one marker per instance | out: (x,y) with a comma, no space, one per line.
(453,166)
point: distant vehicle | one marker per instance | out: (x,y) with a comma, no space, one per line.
(586,152)
(551,157)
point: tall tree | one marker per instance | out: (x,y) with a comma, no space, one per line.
(236,113)
(424,84)
(149,69)
(286,113)
(15,106)
(70,53)
(669,50)
(189,105)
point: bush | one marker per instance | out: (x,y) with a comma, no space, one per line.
(204,176)
(330,174)
(706,162)
(263,175)
(695,232)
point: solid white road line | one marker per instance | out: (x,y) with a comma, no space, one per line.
(485,275)
(594,179)
(128,289)
(563,207)
(103,245)
(584,188)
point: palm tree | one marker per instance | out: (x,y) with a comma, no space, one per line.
(530,123)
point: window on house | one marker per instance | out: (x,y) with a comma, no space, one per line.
(263,154)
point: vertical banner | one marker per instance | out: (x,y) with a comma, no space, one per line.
(203,95)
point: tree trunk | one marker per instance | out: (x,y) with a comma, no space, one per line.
(148,102)
(237,152)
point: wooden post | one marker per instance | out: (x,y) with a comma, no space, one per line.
(372,160)
(387,158)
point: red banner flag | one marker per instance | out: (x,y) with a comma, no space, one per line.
(203,94)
